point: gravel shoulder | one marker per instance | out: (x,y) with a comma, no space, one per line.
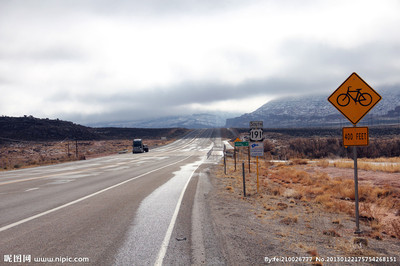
(265,226)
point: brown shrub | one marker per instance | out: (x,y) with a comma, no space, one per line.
(331,232)
(289,220)
(396,228)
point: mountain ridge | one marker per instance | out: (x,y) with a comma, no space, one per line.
(199,120)
(29,128)
(316,111)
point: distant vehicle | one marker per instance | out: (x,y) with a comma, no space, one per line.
(145,148)
(137,146)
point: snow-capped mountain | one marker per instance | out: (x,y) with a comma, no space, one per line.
(315,111)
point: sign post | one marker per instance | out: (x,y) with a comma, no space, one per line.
(240,143)
(244,180)
(225,159)
(257,147)
(354,99)
(358,231)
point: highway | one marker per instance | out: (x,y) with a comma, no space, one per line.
(115,210)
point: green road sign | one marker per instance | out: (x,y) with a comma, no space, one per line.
(241,144)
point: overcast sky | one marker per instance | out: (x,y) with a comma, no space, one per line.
(106,60)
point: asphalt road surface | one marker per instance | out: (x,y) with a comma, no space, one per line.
(125,209)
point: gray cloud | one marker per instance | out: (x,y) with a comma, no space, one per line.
(376,60)
(174,100)
(60,48)
(123,7)
(44,54)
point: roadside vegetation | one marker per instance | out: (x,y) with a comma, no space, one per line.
(384,164)
(15,155)
(315,212)
(301,179)
(329,147)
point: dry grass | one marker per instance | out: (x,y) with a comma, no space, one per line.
(382,160)
(389,166)
(323,163)
(299,162)
(314,212)
(331,232)
(334,194)
(28,154)
(396,227)
(289,220)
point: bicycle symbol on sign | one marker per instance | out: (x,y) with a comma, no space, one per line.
(364,99)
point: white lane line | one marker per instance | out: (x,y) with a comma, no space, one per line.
(167,238)
(4,228)
(31,189)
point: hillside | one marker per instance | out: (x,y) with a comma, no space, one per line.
(29,128)
(192,121)
(316,111)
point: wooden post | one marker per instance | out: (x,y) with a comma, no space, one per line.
(234,155)
(244,180)
(76,149)
(248,155)
(258,184)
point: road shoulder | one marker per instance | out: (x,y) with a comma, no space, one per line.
(266,227)
(194,240)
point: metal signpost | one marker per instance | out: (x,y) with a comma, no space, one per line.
(257,149)
(242,144)
(354,99)
(257,146)
(239,143)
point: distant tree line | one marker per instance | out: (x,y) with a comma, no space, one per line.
(332,148)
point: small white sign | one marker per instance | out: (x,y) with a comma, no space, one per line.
(257,149)
(256,124)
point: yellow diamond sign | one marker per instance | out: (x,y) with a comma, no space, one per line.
(354,98)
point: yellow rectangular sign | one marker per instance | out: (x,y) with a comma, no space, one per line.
(355,136)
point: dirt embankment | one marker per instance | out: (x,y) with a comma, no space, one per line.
(290,220)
